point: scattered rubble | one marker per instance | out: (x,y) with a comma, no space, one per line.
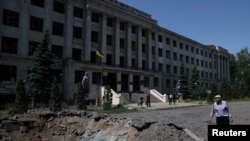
(75,125)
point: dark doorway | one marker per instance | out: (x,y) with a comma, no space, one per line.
(124,84)
(136,83)
(111,80)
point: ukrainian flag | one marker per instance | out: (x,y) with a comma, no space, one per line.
(99,53)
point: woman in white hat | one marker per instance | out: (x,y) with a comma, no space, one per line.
(222,112)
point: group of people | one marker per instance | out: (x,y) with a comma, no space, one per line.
(148,103)
(172,98)
(220,109)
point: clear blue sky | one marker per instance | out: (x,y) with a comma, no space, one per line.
(224,23)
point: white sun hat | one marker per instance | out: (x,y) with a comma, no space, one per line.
(217,96)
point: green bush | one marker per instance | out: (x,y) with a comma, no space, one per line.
(55,102)
(21,104)
(79,98)
(107,98)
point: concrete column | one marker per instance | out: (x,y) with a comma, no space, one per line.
(139,44)
(219,66)
(1,27)
(117,42)
(223,71)
(87,49)
(48,16)
(23,44)
(228,69)
(151,82)
(67,50)
(149,53)
(156,51)
(119,80)
(130,79)
(129,63)
(222,68)
(68,30)
(225,68)
(104,37)
(68,80)
(141,82)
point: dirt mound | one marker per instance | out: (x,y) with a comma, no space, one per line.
(75,125)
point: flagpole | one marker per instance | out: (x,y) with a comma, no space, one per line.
(101,78)
(101,72)
(100,56)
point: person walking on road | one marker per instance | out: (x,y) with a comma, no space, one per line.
(141,100)
(148,100)
(222,112)
(174,98)
(170,96)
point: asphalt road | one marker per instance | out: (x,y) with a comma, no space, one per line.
(193,118)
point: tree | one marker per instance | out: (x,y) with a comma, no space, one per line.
(80,98)
(214,91)
(224,84)
(55,98)
(195,81)
(107,98)
(40,76)
(184,81)
(21,105)
(243,71)
(195,78)
(233,69)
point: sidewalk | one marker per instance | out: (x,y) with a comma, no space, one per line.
(163,106)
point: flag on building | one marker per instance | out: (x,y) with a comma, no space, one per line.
(99,53)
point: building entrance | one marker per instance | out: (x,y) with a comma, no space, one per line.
(111,80)
(124,83)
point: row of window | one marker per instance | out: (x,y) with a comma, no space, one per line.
(58,6)
(10,45)
(110,41)
(95,17)
(36,24)
(134,29)
(172,83)
(11,18)
(175,69)
(169,69)
(9,73)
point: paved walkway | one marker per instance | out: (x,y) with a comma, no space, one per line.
(162,106)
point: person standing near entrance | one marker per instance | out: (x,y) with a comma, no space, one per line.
(174,98)
(222,112)
(85,85)
(170,96)
(148,100)
(130,96)
(141,100)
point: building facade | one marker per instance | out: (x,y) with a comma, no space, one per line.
(138,54)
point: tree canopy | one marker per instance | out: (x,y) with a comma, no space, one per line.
(40,76)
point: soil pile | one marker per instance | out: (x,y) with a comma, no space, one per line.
(74,125)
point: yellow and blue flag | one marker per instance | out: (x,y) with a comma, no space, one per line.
(99,53)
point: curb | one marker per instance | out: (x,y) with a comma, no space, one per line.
(163,108)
